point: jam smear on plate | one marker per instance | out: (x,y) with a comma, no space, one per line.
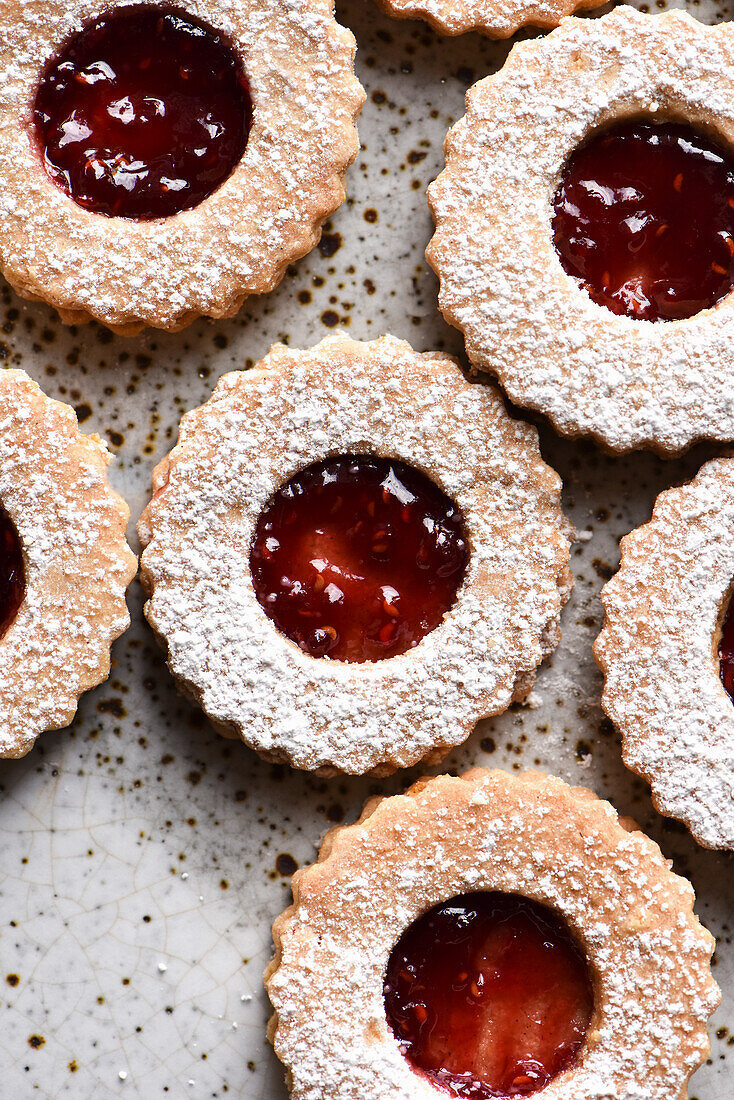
(144,113)
(357,558)
(644,217)
(489,995)
(12,572)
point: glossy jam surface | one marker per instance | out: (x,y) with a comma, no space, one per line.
(489,995)
(12,572)
(644,217)
(143,113)
(726,650)
(357,558)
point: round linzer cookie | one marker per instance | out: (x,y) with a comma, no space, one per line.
(353,554)
(667,653)
(161,162)
(490,935)
(495,18)
(64,563)
(585,228)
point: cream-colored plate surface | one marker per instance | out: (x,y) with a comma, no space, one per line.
(143,857)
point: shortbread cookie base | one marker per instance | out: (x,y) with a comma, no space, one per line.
(258,429)
(625,383)
(658,652)
(71,524)
(239,241)
(529,834)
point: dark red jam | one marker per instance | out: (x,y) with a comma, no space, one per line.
(12,572)
(726,650)
(357,558)
(143,113)
(644,217)
(489,995)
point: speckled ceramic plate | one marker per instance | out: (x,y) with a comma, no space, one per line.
(143,857)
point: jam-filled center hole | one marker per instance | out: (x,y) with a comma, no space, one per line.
(489,995)
(144,113)
(726,649)
(357,558)
(12,572)
(644,218)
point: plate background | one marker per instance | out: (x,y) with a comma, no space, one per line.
(143,857)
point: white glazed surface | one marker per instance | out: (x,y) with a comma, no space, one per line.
(139,850)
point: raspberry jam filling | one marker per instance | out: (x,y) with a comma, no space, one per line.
(357,558)
(726,650)
(489,995)
(143,113)
(644,217)
(12,572)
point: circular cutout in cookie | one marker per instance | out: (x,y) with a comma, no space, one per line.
(357,558)
(726,649)
(12,572)
(644,217)
(143,113)
(489,995)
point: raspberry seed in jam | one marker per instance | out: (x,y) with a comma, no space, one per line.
(489,996)
(357,558)
(726,650)
(143,113)
(644,217)
(12,572)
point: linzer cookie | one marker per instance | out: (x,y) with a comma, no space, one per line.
(162,162)
(667,653)
(490,936)
(64,563)
(585,228)
(353,554)
(495,18)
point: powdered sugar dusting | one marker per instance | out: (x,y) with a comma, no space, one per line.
(239,241)
(658,652)
(257,430)
(531,835)
(71,526)
(626,382)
